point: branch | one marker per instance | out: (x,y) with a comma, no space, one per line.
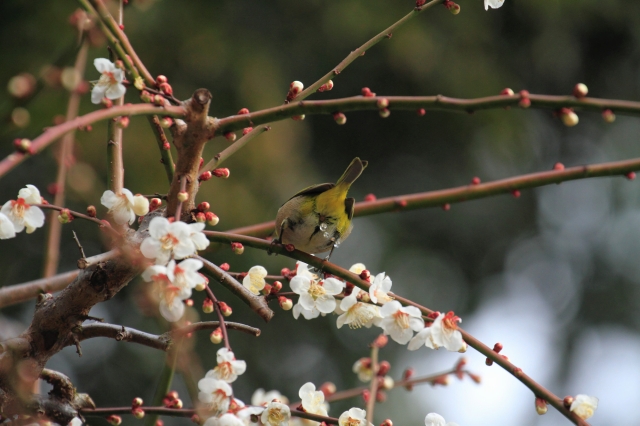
(165,154)
(362,49)
(233,148)
(471,192)
(413,103)
(221,321)
(163,341)
(257,303)
(321,264)
(53,133)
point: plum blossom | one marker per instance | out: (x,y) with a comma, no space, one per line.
(254,280)
(260,397)
(215,393)
(110,83)
(434,419)
(312,400)
(303,270)
(379,289)
(21,213)
(362,368)
(315,294)
(494,4)
(125,206)
(584,406)
(357,268)
(245,413)
(228,368)
(227,419)
(171,295)
(443,332)
(276,414)
(185,275)
(166,239)
(6,227)
(306,313)
(354,417)
(356,313)
(400,322)
(200,241)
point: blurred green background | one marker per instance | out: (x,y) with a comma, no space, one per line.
(552,275)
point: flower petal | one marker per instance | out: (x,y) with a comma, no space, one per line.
(103,65)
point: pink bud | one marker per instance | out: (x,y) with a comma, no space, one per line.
(507,92)
(631,175)
(183,196)
(285,303)
(382,103)
(558,166)
(91,211)
(246,130)
(328,388)
(243,111)
(580,90)
(230,136)
(541,406)
(146,97)
(123,122)
(204,206)
(216,336)
(388,422)
(166,89)
(276,287)
(201,217)
(221,173)
(137,402)
(475,181)
(383,366)
(225,309)
(370,197)
(384,113)
(225,267)
(340,118)
(365,275)
(154,203)
(446,207)
(497,347)
(22,145)
(421,112)
(211,218)
(114,420)
(237,248)
(205,176)
(107,103)
(367,93)
(166,146)
(608,116)
(516,193)
(567,401)
(161,79)
(207,306)
(166,122)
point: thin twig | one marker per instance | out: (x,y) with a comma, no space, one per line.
(234,147)
(183,187)
(223,326)
(75,237)
(53,133)
(165,154)
(373,386)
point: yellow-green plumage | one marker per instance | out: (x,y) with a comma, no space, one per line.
(319,216)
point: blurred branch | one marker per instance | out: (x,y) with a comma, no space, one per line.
(438,102)
(162,341)
(471,192)
(233,148)
(257,303)
(53,133)
(165,154)
(360,51)
(373,385)
(328,267)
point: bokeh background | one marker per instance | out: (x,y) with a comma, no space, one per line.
(553,275)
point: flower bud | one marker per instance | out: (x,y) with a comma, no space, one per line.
(146,97)
(137,402)
(285,303)
(161,79)
(154,204)
(488,362)
(138,413)
(211,218)
(370,197)
(230,136)
(243,111)
(365,275)
(207,306)
(140,205)
(177,403)
(166,89)
(204,206)
(476,378)
(421,112)
(200,217)
(246,130)
(20,117)
(541,406)
(326,87)
(158,100)
(380,342)
(216,336)
(65,216)
(183,196)
(388,422)
(382,103)
(475,181)
(266,289)
(166,122)
(366,395)
(166,147)
(580,90)
(507,92)
(107,103)
(114,420)
(340,118)
(138,83)
(498,346)
(367,93)
(567,401)
(294,88)
(196,419)
(22,85)
(225,309)
(384,112)
(383,366)
(22,145)
(388,383)
(454,8)
(298,117)
(381,396)
(189,302)
(608,116)
(516,193)
(91,211)
(205,176)
(568,117)
(557,166)
(123,122)
(221,173)
(631,175)
(276,287)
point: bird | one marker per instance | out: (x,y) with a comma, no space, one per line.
(318,218)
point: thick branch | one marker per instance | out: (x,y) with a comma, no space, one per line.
(53,133)
(471,192)
(413,103)
(163,341)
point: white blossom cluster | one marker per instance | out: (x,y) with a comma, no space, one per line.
(18,215)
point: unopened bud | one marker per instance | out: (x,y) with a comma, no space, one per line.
(146,97)
(196,419)
(567,401)
(340,118)
(189,302)
(298,117)
(383,366)
(516,193)
(367,93)
(138,413)
(138,83)
(384,112)
(568,117)
(106,102)
(388,422)
(631,175)
(91,211)
(205,176)
(211,218)
(243,111)
(475,377)
(365,275)
(221,173)
(137,402)
(166,89)
(557,166)
(388,383)
(123,122)
(207,306)
(177,403)
(65,216)
(541,406)
(285,303)
(200,217)
(326,87)
(421,112)
(366,395)
(158,100)
(380,342)
(289,247)
(161,79)
(580,90)
(370,197)
(276,287)
(294,88)
(246,130)
(216,336)
(507,92)
(442,380)
(22,145)
(454,8)
(114,420)
(475,181)
(381,396)
(166,147)
(183,196)
(225,309)
(328,388)
(225,267)
(166,122)
(204,206)
(154,203)
(22,85)
(230,136)
(382,103)
(608,116)
(20,117)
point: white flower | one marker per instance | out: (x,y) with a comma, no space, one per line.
(167,238)
(434,419)
(379,289)
(443,332)
(174,285)
(362,368)
(494,4)
(357,268)
(317,294)
(228,368)
(306,313)
(400,322)
(312,400)
(124,206)
(357,314)
(185,276)
(584,406)
(110,84)
(353,417)
(276,414)
(215,393)
(228,419)
(6,227)
(75,422)
(21,213)
(302,269)
(254,280)
(260,397)
(200,241)
(245,413)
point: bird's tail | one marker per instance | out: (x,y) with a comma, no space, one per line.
(352,173)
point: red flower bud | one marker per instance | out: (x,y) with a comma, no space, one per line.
(225,267)
(205,176)
(225,309)
(230,136)
(207,306)
(221,173)
(91,211)
(204,206)
(237,248)
(161,79)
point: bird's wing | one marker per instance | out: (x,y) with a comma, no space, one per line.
(349,204)
(313,190)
